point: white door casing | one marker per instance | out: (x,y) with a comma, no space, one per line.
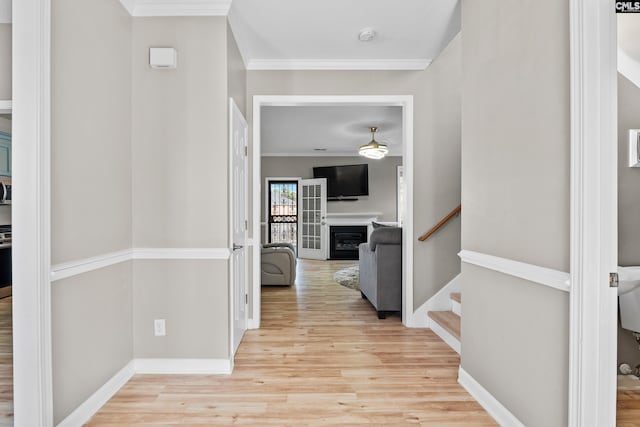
(594,246)
(238,132)
(312,211)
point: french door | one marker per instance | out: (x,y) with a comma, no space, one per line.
(312,209)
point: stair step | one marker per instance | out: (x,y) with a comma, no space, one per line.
(456,296)
(448,320)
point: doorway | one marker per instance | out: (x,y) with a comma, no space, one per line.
(282,211)
(406,104)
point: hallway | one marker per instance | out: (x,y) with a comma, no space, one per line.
(322,357)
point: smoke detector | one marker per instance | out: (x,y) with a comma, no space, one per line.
(366,34)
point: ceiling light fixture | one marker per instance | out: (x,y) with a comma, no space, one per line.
(366,34)
(374,149)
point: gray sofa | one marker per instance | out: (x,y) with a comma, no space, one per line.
(278,264)
(381,270)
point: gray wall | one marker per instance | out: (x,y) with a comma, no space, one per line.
(191,296)
(92,333)
(5,61)
(91,195)
(436,152)
(180,185)
(180,134)
(628,202)
(236,73)
(515,197)
(382,181)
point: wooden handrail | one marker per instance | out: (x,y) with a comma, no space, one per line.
(439,225)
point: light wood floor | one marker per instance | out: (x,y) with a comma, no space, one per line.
(6,363)
(321,357)
(628,409)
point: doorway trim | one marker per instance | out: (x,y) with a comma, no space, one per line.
(404,101)
(594,248)
(31,135)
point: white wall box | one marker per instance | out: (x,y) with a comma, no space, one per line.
(163,57)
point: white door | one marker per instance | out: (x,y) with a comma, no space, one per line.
(312,210)
(239,267)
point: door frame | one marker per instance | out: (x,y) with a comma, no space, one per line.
(31,135)
(233,107)
(593,240)
(404,101)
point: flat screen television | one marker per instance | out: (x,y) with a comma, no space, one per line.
(344,181)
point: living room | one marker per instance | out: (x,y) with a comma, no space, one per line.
(308,147)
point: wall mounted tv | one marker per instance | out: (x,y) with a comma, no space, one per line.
(344,181)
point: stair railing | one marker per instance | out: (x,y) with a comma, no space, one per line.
(439,225)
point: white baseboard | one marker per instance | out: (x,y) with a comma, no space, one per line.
(89,407)
(441,301)
(183,366)
(487,401)
(451,341)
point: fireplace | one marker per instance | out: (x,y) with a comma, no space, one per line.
(345,239)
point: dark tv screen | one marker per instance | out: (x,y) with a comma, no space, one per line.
(344,181)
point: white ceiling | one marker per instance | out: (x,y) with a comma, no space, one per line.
(306,34)
(296,131)
(5,11)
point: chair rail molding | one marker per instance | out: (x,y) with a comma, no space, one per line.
(541,275)
(85,265)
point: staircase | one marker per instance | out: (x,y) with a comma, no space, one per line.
(446,324)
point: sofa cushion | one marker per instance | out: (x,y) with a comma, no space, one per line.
(385,235)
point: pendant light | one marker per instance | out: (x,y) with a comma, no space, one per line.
(374,149)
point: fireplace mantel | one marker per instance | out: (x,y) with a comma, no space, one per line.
(359,218)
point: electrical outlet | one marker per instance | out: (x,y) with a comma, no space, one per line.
(159,328)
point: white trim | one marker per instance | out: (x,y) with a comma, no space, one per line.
(338,64)
(74,268)
(593,238)
(404,101)
(148,8)
(181,253)
(81,266)
(322,154)
(90,407)
(493,407)
(541,275)
(444,335)
(183,366)
(33,395)
(6,107)
(440,301)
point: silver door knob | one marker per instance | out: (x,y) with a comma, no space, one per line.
(236,247)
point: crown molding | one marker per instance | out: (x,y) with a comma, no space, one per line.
(338,64)
(148,8)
